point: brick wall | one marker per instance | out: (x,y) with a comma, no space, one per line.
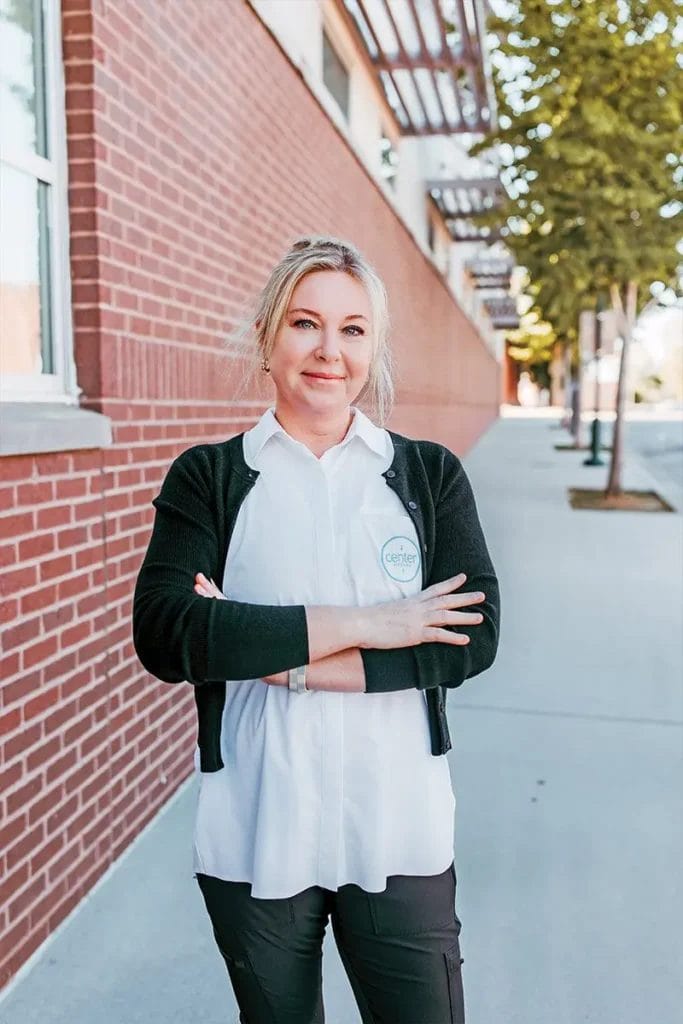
(195,154)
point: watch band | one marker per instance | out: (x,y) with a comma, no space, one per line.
(297,679)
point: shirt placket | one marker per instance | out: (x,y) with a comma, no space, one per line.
(331,710)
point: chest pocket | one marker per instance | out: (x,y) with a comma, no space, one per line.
(384,556)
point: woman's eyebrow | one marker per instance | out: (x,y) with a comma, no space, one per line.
(312,312)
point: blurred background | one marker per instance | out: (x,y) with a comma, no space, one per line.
(513,170)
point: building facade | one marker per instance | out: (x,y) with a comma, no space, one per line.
(156,160)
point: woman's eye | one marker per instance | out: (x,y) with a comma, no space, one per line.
(358,331)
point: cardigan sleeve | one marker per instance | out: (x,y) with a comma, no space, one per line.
(460,546)
(179,635)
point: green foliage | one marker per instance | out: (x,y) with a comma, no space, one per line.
(590,110)
(532,345)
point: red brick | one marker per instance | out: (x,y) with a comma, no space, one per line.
(19,947)
(57,768)
(40,809)
(67,860)
(22,633)
(24,686)
(37,546)
(8,778)
(35,493)
(61,814)
(45,854)
(75,634)
(59,717)
(8,555)
(37,599)
(7,498)
(72,487)
(19,579)
(56,515)
(16,524)
(13,882)
(41,702)
(22,796)
(59,616)
(39,652)
(71,538)
(9,665)
(39,757)
(16,745)
(26,842)
(53,567)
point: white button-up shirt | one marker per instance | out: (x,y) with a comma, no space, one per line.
(322,788)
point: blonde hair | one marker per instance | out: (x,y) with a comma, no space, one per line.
(255,335)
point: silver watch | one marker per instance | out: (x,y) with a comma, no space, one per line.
(297,679)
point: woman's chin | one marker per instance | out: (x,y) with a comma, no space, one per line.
(326,401)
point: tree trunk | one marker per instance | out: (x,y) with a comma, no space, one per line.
(626,318)
(576,424)
(568,384)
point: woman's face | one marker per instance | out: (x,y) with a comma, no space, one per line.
(322,351)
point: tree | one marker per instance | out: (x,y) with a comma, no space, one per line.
(589,137)
(532,345)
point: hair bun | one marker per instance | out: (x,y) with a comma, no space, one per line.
(303,243)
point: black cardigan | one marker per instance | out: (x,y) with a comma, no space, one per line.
(179,635)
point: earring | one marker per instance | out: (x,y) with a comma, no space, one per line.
(265,366)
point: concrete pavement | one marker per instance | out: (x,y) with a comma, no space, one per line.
(567,766)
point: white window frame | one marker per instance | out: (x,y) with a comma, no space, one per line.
(347,61)
(60,386)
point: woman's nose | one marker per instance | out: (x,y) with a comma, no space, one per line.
(329,345)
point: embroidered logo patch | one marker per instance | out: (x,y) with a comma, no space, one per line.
(400,559)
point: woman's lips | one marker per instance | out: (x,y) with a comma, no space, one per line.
(322,376)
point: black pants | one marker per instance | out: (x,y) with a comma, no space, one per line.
(399,948)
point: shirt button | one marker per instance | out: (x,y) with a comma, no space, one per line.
(411,504)
(391,474)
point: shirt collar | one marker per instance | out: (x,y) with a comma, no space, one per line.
(267,426)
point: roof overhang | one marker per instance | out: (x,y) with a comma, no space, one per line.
(503,312)
(490,273)
(458,198)
(429,60)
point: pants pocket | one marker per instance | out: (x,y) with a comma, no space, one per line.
(413,904)
(251,1001)
(455,990)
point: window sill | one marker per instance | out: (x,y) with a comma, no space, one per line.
(31,428)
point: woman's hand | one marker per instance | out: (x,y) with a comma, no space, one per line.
(207,588)
(422,618)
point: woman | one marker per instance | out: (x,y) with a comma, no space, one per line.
(341,621)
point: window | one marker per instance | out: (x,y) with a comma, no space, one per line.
(335,75)
(388,160)
(35,332)
(430,233)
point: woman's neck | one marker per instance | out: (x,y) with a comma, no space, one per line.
(318,432)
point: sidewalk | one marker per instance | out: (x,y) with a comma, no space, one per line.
(567,769)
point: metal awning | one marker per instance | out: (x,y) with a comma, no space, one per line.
(490,273)
(429,59)
(458,198)
(503,312)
